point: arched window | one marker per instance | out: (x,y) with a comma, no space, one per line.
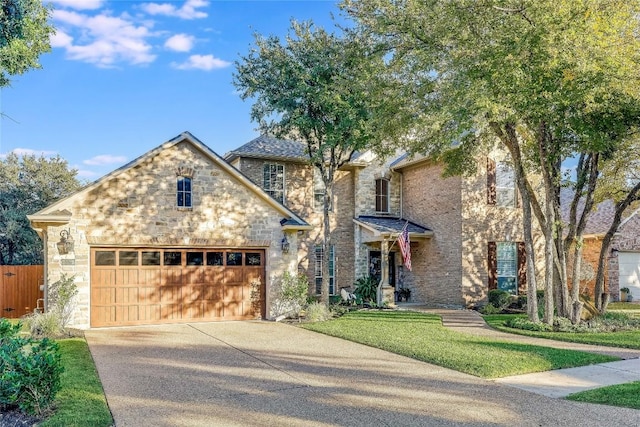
(183,192)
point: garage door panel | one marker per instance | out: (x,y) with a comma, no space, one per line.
(127,277)
(131,287)
(233,275)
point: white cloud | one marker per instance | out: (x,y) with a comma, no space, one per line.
(180,43)
(189,9)
(84,173)
(104,159)
(102,39)
(78,4)
(201,62)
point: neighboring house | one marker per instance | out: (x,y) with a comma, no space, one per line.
(176,235)
(622,269)
(181,234)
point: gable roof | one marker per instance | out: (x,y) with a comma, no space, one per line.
(52,213)
(386,226)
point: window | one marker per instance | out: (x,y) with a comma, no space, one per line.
(128,258)
(215,258)
(318,190)
(172,258)
(253,258)
(105,258)
(183,192)
(382,195)
(234,258)
(195,258)
(507,266)
(273,182)
(318,270)
(150,258)
(505,185)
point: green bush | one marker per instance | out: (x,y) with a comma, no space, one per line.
(290,295)
(318,312)
(61,295)
(525,324)
(29,371)
(491,309)
(366,289)
(499,298)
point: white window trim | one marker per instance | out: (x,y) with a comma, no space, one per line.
(269,190)
(184,192)
(319,257)
(513,259)
(502,166)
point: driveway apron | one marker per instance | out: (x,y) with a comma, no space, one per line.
(272,374)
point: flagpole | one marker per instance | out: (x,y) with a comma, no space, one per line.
(406,224)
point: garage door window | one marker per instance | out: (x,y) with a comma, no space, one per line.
(215,258)
(128,258)
(195,258)
(150,258)
(252,258)
(234,258)
(173,258)
(105,257)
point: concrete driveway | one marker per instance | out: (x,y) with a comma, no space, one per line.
(272,374)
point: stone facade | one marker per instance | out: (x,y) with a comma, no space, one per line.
(136,207)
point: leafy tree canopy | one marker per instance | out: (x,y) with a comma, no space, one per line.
(24,36)
(29,183)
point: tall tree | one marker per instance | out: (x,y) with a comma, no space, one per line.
(29,183)
(24,36)
(314,86)
(545,78)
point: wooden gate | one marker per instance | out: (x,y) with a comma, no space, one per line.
(20,289)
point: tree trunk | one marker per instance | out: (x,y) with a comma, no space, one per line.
(327,177)
(511,142)
(575,283)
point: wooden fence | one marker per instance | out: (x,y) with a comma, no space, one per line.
(20,289)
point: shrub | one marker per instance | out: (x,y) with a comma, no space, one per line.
(61,295)
(366,289)
(491,309)
(499,298)
(44,324)
(525,324)
(318,312)
(29,371)
(290,295)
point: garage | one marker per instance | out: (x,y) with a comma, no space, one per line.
(136,286)
(629,269)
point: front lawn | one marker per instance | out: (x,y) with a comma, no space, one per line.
(625,339)
(81,401)
(421,336)
(625,395)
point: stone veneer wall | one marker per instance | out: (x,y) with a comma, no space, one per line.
(435,202)
(137,207)
(299,197)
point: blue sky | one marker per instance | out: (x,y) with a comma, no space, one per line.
(125,76)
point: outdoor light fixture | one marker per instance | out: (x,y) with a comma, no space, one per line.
(65,245)
(285,245)
(614,252)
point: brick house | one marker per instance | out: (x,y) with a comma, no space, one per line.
(622,269)
(181,234)
(465,232)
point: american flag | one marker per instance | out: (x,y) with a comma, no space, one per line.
(405,246)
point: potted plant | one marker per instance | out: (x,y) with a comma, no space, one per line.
(404,294)
(624,294)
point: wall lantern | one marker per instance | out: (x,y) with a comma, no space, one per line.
(284,243)
(614,252)
(65,245)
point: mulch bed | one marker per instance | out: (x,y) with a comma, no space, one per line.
(15,418)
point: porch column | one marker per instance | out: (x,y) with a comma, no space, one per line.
(385,290)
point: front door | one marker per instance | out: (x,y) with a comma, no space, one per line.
(375,265)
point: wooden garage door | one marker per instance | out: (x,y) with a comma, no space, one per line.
(134,286)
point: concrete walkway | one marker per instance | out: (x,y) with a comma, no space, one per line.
(556,383)
(273,374)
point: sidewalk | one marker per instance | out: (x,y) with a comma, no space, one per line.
(557,383)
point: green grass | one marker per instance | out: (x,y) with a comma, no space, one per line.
(625,395)
(623,306)
(81,401)
(422,337)
(625,339)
